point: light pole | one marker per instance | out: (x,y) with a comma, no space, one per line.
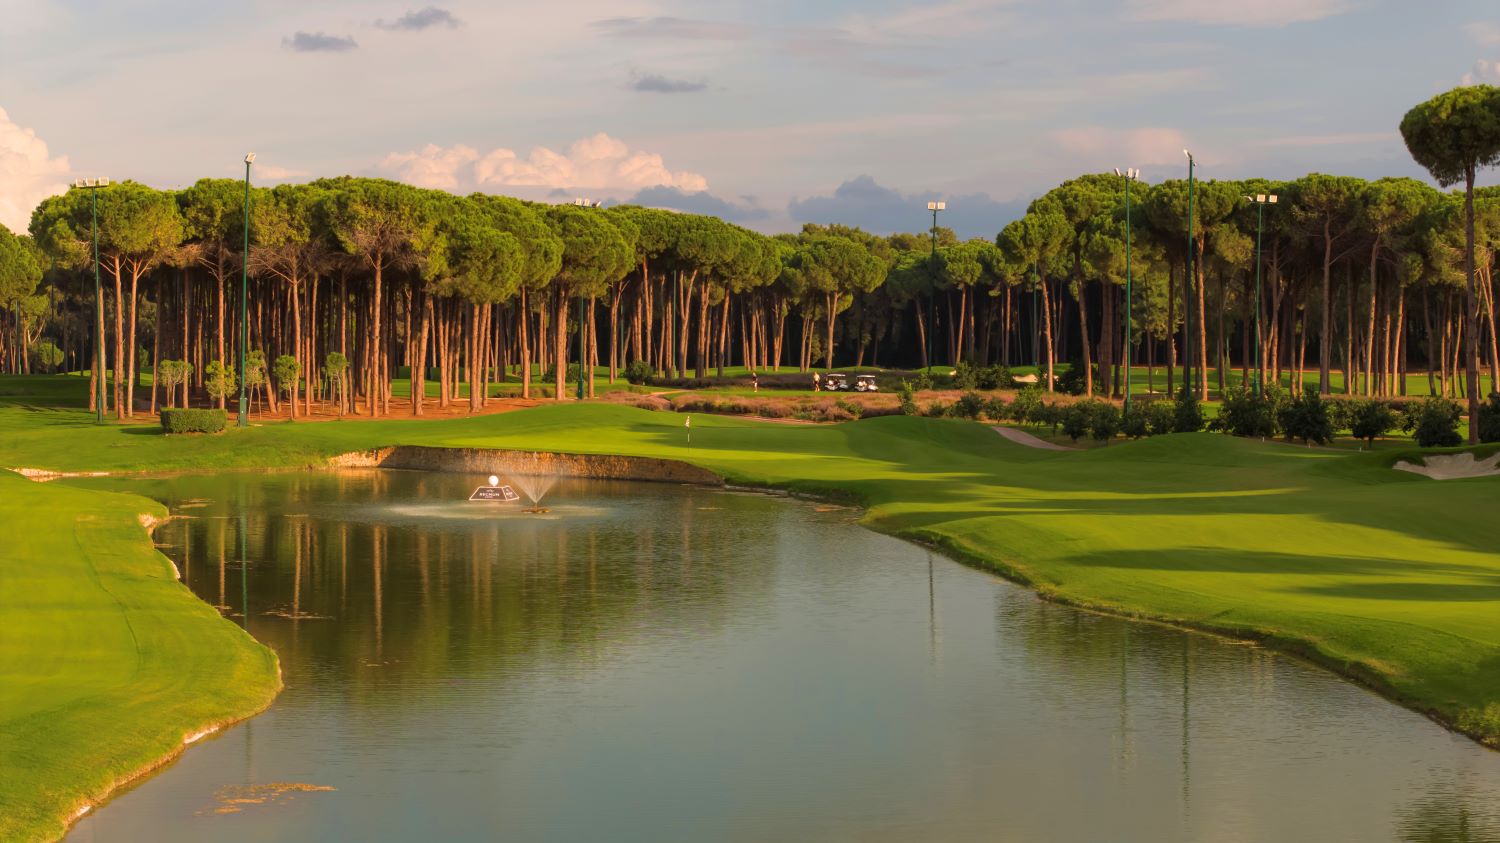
(582,203)
(244,417)
(934,207)
(1261,200)
(1129,175)
(1189,288)
(92,186)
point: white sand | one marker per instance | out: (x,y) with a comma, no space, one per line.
(1453,466)
(1021,437)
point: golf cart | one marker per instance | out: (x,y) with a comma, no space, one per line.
(865,383)
(835,381)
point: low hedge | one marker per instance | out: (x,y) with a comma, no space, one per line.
(193,421)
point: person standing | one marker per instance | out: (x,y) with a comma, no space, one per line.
(817,383)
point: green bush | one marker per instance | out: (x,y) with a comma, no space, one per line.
(1187,414)
(922,382)
(1104,420)
(1433,422)
(995,409)
(996,377)
(192,421)
(965,376)
(1306,418)
(638,372)
(968,406)
(904,395)
(1161,418)
(853,408)
(1369,419)
(1340,413)
(1489,419)
(1025,403)
(1071,380)
(1077,419)
(1246,414)
(1135,421)
(1046,414)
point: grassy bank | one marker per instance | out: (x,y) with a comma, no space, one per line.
(106,662)
(1386,576)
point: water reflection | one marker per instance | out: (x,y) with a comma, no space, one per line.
(653,662)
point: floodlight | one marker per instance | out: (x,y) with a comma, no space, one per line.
(1188,154)
(249,158)
(1117,172)
(942,206)
(1260,197)
(932,206)
(1272,199)
(103,182)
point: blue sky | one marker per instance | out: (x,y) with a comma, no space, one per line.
(770,113)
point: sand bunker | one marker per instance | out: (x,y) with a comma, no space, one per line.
(1453,466)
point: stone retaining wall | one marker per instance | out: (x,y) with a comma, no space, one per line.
(486,461)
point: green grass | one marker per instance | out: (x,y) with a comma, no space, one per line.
(1386,576)
(106,661)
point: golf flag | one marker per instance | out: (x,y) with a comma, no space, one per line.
(688,423)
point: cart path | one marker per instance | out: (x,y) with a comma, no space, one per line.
(1021,437)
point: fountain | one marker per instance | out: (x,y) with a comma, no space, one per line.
(535,486)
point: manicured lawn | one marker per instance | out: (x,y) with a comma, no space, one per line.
(1383,575)
(106,661)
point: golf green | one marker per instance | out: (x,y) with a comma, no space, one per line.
(1385,576)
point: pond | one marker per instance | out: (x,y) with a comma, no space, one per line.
(655,662)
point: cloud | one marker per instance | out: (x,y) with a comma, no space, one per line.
(1484,33)
(29,173)
(699,202)
(1484,72)
(673,28)
(1270,13)
(318,42)
(863,202)
(420,20)
(275,173)
(1101,148)
(658,84)
(600,163)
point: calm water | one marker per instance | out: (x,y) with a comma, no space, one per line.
(649,662)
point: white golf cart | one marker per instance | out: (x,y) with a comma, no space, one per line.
(865,383)
(835,381)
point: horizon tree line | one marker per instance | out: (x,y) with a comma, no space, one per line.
(472,290)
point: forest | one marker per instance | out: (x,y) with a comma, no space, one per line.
(354,283)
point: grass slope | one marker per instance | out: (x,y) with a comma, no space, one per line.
(106,661)
(1386,576)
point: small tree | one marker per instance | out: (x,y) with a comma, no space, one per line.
(1187,416)
(1077,420)
(1135,421)
(1306,418)
(335,368)
(904,395)
(255,372)
(1246,414)
(1025,403)
(1433,423)
(173,373)
(1489,419)
(1369,419)
(219,380)
(286,371)
(1104,421)
(968,406)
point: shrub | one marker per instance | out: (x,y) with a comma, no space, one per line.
(1077,419)
(638,372)
(1161,418)
(1306,418)
(1369,419)
(1135,420)
(46,354)
(922,382)
(1104,420)
(995,377)
(1046,414)
(995,409)
(192,421)
(904,394)
(965,376)
(936,409)
(1433,422)
(1187,413)
(219,380)
(1025,402)
(1340,413)
(1071,380)
(1489,419)
(968,406)
(853,408)
(1246,414)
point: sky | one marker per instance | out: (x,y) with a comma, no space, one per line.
(769,113)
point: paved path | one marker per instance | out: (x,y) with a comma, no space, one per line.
(1021,437)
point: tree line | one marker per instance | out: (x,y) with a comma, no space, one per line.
(354,279)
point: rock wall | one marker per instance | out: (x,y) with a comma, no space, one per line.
(485,461)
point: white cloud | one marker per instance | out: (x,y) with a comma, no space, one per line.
(1484,71)
(275,173)
(28,173)
(600,163)
(1232,13)
(1101,148)
(1484,33)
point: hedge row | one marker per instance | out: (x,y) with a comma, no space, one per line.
(193,421)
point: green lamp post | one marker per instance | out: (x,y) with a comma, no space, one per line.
(934,207)
(244,415)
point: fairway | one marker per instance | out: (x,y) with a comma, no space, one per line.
(1388,577)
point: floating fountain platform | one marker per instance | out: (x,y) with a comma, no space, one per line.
(535,510)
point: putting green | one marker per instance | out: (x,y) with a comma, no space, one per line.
(1389,577)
